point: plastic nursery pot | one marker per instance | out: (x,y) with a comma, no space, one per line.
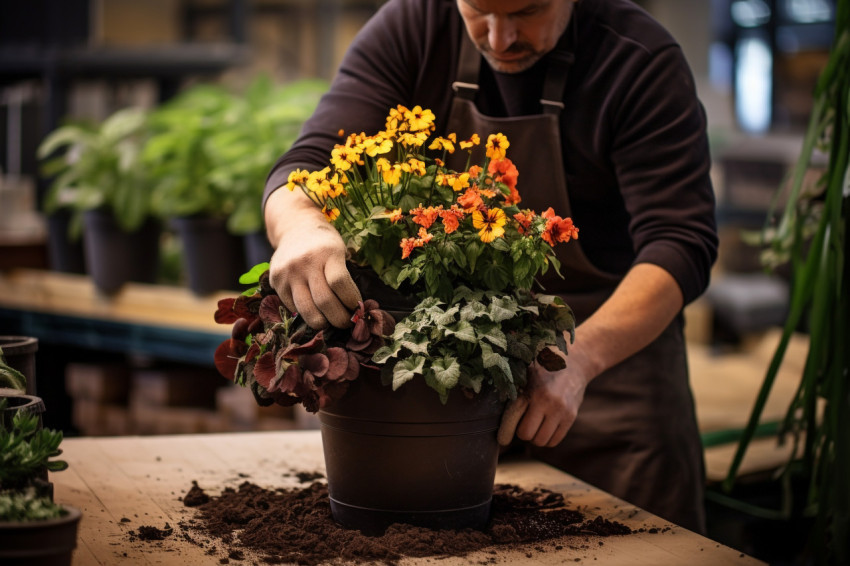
(16,402)
(114,257)
(40,543)
(213,258)
(404,457)
(19,352)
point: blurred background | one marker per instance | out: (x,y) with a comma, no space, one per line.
(133,355)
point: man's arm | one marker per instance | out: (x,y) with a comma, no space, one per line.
(638,311)
(308,266)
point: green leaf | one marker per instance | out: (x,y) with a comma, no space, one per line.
(254,274)
(446,371)
(386,352)
(503,308)
(405,370)
(463,331)
(494,335)
(472,310)
(416,343)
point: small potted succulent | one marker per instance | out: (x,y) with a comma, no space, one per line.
(411,395)
(34,530)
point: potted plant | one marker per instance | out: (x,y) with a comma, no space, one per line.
(260,125)
(410,401)
(17,362)
(812,233)
(34,530)
(98,177)
(209,155)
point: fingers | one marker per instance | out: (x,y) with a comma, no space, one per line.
(510,418)
(341,283)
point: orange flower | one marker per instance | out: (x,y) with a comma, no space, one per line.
(503,171)
(524,219)
(489,223)
(409,244)
(396,215)
(470,200)
(558,229)
(475,171)
(425,216)
(451,218)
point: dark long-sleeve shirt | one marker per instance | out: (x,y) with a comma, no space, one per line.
(635,149)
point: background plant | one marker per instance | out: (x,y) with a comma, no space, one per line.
(99,165)
(812,234)
(210,148)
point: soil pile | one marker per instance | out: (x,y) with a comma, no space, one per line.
(296,526)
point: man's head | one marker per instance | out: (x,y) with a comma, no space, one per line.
(514,34)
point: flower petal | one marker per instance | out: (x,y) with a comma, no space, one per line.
(224,314)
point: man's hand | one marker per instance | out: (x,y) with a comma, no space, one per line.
(547,409)
(308,266)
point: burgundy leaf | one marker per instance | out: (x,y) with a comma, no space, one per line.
(360,332)
(240,329)
(337,363)
(314,345)
(225,361)
(265,370)
(224,314)
(291,379)
(316,364)
(270,309)
(381,323)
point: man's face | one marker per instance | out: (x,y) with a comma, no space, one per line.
(514,34)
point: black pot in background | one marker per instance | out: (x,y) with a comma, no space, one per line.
(404,457)
(15,403)
(19,352)
(114,257)
(213,258)
(64,255)
(257,249)
(40,543)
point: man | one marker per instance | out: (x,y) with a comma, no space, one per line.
(605,126)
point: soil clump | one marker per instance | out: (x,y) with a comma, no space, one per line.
(296,526)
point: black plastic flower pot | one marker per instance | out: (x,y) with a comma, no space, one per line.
(19,352)
(115,257)
(212,257)
(404,457)
(257,249)
(40,543)
(64,255)
(16,402)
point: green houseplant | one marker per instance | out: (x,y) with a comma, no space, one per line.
(99,177)
(812,234)
(455,256)
(33,528)
(208,155)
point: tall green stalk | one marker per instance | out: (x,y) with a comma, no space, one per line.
(812,234)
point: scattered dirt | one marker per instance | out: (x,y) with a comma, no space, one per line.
(296,526)
(149,532)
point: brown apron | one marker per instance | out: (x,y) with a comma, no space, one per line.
(636,435)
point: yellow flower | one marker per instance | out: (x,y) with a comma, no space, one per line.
(414,166)
(343,157)
(443,143)
(416,139)
(297,178)
(497,145)
(331,214)
(472,141)
(317,183)
(490,224)
(419,119)
(390,172)
(395,119)
(377,145)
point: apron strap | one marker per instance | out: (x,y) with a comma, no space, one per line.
(468,65)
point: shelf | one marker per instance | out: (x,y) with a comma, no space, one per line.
(65,309)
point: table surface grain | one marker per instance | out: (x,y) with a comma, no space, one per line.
(123,483)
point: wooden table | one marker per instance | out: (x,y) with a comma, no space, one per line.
(142,479)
